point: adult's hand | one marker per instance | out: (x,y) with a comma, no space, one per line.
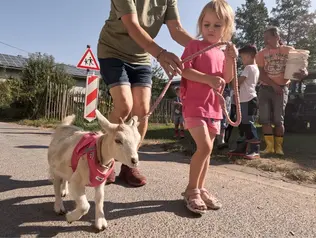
(278,89)
(301,75)
(170,63)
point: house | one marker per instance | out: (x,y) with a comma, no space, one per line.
(11,67)
(175,82)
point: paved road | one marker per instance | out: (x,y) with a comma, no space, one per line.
(254,206)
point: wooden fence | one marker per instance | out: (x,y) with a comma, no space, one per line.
(62,101)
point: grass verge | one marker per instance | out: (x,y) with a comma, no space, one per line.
(298,164)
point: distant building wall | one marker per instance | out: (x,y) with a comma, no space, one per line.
(11,73)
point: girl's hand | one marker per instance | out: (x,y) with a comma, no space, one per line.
(216,82)
(231,51)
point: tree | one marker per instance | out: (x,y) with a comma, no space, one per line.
(251,20)
(5,95)
(159,81)
(311,46)
(29,91)
(297,25)
(294,20)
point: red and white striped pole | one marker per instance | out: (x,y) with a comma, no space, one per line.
(92,92)
(91,102)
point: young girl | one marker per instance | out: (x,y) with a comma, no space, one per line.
(201,107)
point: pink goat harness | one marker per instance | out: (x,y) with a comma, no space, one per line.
(87,148)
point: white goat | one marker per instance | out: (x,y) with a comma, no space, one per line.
(120,141)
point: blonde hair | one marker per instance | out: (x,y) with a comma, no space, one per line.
(224,12)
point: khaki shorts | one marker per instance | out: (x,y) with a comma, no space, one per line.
(272,106)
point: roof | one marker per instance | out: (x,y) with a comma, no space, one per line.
(175,81)
(18,62)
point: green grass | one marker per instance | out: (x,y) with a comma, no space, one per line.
(299,163)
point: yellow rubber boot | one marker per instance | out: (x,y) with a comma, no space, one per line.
(269,139)
(279,145)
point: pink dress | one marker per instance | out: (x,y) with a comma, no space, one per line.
(200,104)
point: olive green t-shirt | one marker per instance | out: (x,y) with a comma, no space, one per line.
(114,41)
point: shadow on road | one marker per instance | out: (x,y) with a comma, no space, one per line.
(147,155)
(26,133)
(19,128)
(119,210)
(32,146)
(8,184)
(17,216)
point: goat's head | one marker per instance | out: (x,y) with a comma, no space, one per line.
(123,139)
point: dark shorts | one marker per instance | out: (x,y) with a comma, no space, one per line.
(248,111)
(117,72)
(272,106)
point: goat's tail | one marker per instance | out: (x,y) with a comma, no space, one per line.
(68,120)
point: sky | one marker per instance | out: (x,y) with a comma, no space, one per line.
(64,28)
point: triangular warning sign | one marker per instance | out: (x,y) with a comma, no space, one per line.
(88,61)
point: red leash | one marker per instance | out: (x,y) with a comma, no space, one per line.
(218,93)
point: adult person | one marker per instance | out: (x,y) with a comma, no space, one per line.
(124,49)
(274,89)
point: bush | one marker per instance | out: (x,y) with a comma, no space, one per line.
(30,91)
(6,95)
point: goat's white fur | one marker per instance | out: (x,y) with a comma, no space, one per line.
(120,141)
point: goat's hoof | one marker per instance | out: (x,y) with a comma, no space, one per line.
(64,193)
(61,212)
(59,209)
(101,224)
(69,217)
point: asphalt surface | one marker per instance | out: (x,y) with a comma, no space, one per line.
(253,206)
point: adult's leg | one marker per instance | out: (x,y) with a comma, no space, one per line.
(265,100)
(114,74)
(141,106)
(279,104)
(140,79)
(122,103)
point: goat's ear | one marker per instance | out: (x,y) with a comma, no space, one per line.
(104,123)
(133,121)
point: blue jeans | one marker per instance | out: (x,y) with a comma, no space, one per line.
(116,72)
(248,113)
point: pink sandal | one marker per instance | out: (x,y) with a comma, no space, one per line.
(194,202)
(210,201)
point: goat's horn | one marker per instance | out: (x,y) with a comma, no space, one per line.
(105,124)
(121,120)
(133,121)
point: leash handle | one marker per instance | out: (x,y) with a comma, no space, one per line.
(218,93)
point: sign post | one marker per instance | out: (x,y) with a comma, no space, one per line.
(89,62)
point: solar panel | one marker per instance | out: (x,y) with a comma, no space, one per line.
(12,61)
(19,62)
